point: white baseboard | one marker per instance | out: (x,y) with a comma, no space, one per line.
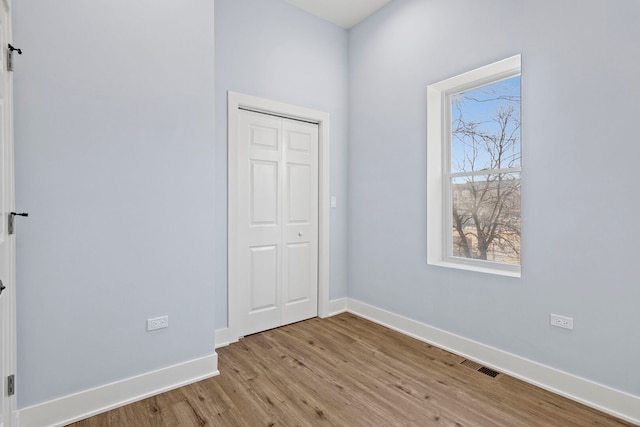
(222,337)
(336,306)
(68,409)
(598,396)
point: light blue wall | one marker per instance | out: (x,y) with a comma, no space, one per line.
(580,153)
(114,163)
(270,49)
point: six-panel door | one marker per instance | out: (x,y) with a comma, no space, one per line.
(278,221)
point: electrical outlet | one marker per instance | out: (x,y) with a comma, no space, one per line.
(561,321)
(157,323)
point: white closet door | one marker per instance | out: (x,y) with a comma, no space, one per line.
(300,220)
(277,232)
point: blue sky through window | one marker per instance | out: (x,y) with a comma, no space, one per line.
(485,123)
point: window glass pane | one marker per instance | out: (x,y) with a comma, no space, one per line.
(486,217)
(485,127)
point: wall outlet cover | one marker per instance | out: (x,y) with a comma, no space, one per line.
(561,321)
(157,323)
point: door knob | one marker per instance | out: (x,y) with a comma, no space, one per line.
(12,216)
(300,234)
(2,287)
(12,49)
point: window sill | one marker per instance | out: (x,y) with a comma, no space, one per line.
(476,268)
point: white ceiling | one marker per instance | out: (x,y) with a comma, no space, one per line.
(344,13)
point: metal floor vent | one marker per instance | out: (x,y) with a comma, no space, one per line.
(478,367)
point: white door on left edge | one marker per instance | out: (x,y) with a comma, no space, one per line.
(7,240)
(277,221)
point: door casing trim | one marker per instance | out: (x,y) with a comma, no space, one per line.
(8,354)
(235,102)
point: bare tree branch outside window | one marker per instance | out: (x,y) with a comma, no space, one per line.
(485,172)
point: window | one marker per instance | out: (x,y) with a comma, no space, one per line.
(474,166)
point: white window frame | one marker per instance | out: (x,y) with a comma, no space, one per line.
(439,163)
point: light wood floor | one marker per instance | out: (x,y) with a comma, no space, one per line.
(347,371)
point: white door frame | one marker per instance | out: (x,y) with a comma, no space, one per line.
(237,101)
(8,356)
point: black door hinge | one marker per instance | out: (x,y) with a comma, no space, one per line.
(11,385)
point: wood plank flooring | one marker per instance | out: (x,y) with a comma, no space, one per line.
(347,371)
